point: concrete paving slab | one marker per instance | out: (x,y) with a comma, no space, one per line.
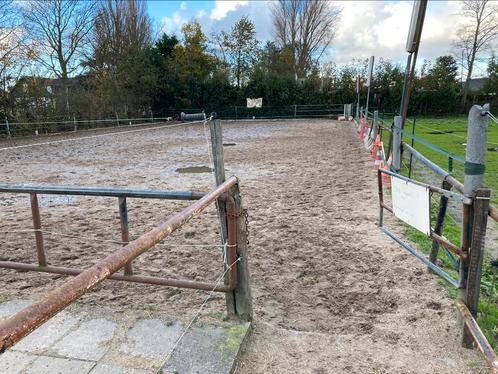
(15,362)
(151,338)
(56,365)
(111,369)
(72,343)
(12,306)
(88,341)
(207,350)
(47,334)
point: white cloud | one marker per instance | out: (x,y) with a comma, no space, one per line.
(173,24)
(222,8)
(222,17)
(366,28)
(380,28)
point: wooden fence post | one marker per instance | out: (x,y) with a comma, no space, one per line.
(476,256)
(242,293)
(75,126)
(239,302)
(473,232)
(219,169)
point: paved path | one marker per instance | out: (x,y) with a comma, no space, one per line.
(82,343)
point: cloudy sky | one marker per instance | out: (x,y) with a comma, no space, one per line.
(367,27)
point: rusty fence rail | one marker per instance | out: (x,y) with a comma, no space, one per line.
(435,235)
(21,324)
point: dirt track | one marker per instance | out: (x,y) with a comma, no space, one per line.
(331,293)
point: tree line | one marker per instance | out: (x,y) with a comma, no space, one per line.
(97,59)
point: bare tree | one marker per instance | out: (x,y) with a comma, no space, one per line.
(59,29)
(12,56)
(120,26)
(307,27)
(122,30)
(476,35)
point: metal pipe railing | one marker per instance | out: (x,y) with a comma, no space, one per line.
(22,323)
(103,192)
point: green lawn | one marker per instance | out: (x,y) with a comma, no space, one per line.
(450,134)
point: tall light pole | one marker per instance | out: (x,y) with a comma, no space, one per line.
(412,45)
(369,82)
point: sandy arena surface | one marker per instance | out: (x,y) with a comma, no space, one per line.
(331,293)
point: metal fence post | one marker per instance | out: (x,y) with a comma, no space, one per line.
(474,225)
(397,143)
(375,125)
(35,212)
(412,144)
(438,229)
(117,119)
(74,123)
(125,235)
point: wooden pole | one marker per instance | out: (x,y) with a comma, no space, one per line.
(241,295)
(219,173)
(473,232)
(476,257)
(219,169)
(239,302)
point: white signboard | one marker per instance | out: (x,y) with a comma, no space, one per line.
(411,203)
(255,103)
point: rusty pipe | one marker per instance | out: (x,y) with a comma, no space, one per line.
(178,283)
(232,241)
(479,338)
(22,323)
(125,235)
(35,213)
(446,244)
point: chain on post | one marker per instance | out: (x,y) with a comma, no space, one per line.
(246,222)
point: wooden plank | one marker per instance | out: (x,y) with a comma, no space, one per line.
(476,256)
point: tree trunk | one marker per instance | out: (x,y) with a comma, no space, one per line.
(467,83)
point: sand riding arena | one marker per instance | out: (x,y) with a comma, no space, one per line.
(330,292)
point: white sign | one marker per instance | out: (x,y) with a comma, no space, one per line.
(255,103)
(411,203)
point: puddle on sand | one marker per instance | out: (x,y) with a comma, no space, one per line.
(194,169)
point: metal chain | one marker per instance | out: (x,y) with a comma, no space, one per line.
(246,222)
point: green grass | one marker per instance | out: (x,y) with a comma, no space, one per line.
(450,134)
(488,303)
